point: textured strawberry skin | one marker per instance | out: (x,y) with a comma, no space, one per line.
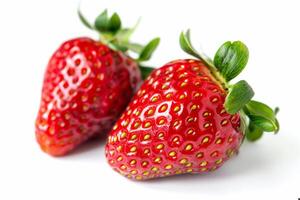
(175,124)
(86,87)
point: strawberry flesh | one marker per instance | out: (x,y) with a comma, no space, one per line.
(86,87)
(175,124)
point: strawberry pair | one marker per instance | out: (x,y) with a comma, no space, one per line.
(187,117)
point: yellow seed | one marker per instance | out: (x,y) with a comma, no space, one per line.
(188,164)
(123,167)
(150,112)
(219,161)
(163,108)
(160,146)
(190,131)
(183,84)
(161,122)
(154,169)
(183,161)
(176,109)
(165,86)
(224,122)
(137,113)
(222,111)
(123,134)
(154,99)
(147,137)
(168,166)
(125,123)
(206,125)
(136,124)
(190,119)
(138,177)
(197,83)
(112,161)
(146,173)
(115,127)
(172,153)
(133,137)
(175,139)
(166,173)
(205,140)
(205,114)
(197,94)
(189,170)
(182,96)
(214,154)
(218,141)
(230,139)
(188,147)
(147,125)
(176,123)
(203,163)
(204,169)
(214,100)
(169,95)
(120,158)
(133,149)
(146,151)
(157,160)
(199,155)
(144,163)
(194,107)
(160,135)
(195,68)
(178,171)
(133,172)
(119,148)
(133,162)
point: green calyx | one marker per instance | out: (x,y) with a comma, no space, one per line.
(229,61)
(118,38)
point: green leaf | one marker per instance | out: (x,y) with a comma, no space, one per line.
(253,132)
(186,46)
(146,71)
(231,59)
(84,20)
(149,49)
(239,95)
(124,34)
(114,23)
(137,48)
(102,22)
(262,116)
(265,124)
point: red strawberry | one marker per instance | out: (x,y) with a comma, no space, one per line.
(87,84)
(186,117)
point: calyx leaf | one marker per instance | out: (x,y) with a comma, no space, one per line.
(102,22)
(84,20)
(262,116)
(231,58)
(253,132)
(147,51)
(239,95)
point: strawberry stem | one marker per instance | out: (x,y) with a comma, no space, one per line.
(118,38)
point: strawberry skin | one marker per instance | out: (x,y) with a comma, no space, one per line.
(86,86)
(175,124)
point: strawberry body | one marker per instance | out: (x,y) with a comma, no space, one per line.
(86,87)
(175,124)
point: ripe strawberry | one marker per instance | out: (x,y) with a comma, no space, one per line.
(87,84)
(186,118)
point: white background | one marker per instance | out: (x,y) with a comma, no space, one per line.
(32,30)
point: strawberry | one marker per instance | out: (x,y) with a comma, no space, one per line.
(187,117)
(87,85)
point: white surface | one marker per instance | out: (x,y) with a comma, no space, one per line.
(32,30)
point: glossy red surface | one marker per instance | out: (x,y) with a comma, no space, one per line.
(175,124)
(86,87)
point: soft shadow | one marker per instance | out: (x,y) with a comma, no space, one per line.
(90,151)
